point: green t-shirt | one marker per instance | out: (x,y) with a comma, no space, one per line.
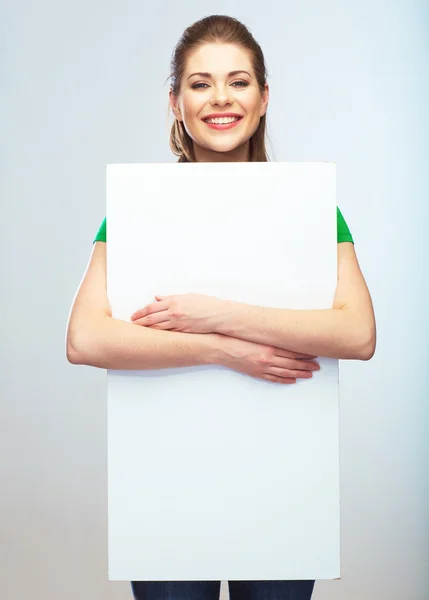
(343,232)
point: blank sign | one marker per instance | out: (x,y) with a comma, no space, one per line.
(213,474)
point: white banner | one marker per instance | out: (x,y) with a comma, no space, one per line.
(213,474)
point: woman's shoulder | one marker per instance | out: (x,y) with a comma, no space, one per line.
(343,231)
(101,233)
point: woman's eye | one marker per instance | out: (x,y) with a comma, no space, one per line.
(196,86)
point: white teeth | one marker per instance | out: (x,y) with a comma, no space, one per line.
(222,121)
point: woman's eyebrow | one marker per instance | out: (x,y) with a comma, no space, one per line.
(208,75)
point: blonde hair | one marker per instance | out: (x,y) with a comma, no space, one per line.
(216,29)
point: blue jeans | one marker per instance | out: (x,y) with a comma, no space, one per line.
(209,590)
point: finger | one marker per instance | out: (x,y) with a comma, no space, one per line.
(278,361)
(163,325)
(279,379)
(149,309)
(284,372)
(291,354)
(153,319)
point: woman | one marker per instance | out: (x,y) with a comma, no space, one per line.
(219,97)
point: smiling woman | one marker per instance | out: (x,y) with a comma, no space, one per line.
(219,98)
(218,71)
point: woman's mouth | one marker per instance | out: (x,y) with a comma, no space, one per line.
(221,124)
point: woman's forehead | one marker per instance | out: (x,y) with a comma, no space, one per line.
(218,58)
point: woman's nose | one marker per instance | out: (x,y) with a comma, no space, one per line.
(221,96)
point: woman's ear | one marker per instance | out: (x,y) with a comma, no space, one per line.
(265,98)
(174,106)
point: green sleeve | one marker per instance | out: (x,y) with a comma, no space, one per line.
(101,234)
(343,232)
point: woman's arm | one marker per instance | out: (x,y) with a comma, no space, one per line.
(347,331)
(110,343)
(96,339)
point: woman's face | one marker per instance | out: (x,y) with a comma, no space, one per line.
(209,88)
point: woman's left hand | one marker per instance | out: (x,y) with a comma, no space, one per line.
(188,313)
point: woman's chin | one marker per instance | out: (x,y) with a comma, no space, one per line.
(223,145)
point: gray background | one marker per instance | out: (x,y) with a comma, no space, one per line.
(82,85)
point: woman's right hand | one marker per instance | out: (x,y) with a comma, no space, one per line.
(262,361)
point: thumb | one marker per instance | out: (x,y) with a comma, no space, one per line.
(160,297)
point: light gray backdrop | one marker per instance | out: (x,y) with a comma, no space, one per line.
(82,85)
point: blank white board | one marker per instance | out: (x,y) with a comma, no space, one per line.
(213,474)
